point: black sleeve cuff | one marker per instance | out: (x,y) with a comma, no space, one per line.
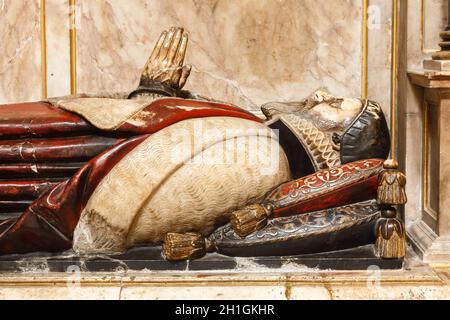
(155,88)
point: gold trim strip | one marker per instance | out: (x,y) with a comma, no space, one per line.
(43,26)
(215,284)
(425,154)
(365,49)
(426,164)
(124,282)
(394,76)
(73,47)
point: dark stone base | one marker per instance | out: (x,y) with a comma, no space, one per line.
(149,258)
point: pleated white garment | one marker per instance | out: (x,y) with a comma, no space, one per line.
(187,177)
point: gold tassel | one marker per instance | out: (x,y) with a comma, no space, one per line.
(391,239)
(390,231)
(250,219)
(186,246)
(391,186)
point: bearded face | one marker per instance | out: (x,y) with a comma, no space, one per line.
(331,130)
(327,112)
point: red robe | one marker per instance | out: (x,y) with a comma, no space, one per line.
(43,152)
(52,160)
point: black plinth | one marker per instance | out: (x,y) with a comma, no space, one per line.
(149,258)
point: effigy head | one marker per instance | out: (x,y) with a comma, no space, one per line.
(321,105)
(326,131)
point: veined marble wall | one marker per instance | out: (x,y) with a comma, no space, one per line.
(58,47)
(20,51)
(245,52)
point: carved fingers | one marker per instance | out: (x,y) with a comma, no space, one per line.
(173,48)
(181,50)
(178,60)
(157,48)
(168,43)
(165,64)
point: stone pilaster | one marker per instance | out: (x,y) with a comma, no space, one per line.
(431,234)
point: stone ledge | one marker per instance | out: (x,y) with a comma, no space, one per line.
(416,281)
(437,65)
(431,79)
(151,259)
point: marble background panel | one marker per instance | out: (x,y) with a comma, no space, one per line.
(380,53)
(58,43)
(247,52)
(20,51)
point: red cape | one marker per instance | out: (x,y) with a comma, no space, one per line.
(49,222)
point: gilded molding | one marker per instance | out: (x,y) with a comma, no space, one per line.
(212,279)
(426,164)
(425,154)
(43,26)
(365,50)
(394,77)
(73,47)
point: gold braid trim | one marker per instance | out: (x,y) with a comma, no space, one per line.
(316,143)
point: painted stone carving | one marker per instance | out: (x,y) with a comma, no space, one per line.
(337,228)
(103,174)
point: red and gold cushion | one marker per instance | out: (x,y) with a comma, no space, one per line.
(343,185)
